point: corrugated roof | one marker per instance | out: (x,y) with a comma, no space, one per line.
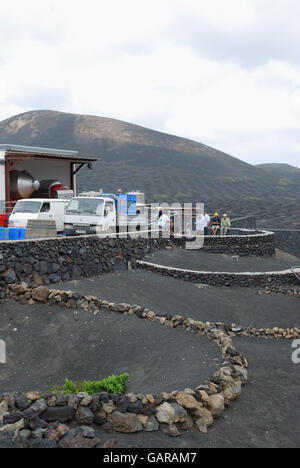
(39,151)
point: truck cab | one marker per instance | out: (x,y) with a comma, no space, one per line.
(38,209)
(90,215)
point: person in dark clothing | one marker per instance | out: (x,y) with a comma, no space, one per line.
(215,224)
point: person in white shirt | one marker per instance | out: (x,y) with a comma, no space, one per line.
(206,222)
(164,222)
(200,224)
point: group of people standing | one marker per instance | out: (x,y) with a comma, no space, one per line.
(204,221)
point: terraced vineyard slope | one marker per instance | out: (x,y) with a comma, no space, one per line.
(166,167)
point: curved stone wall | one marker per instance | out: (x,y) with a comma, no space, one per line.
(170,412)
(243,279)
(48,261)
(241,242)
(288,240)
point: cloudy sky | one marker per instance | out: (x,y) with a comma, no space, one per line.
(225,73)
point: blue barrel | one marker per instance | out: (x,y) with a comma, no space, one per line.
(2,233)
(6,233)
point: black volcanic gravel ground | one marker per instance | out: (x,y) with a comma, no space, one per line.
(203,261)
(266,415)
(46,344)
(242,306)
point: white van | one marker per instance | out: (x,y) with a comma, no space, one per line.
(39,208)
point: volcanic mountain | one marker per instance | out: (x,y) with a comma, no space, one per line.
(166,167)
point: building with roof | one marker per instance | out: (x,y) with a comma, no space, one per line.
(25,169)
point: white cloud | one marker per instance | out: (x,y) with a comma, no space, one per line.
(225,15)
(239,100)
(223,73)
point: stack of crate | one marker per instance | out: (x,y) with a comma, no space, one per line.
(40,229)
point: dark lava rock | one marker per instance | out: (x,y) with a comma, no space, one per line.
(107,427)
(37,423)
(75,439)
(12,418)
(66,440)
(21,402)
(148,409)
(104,397)
(35,443)
(84,416)
(47,443)
(99,418)
(123,404)
(58,413)
(60,399)
(135,407)
(96,404)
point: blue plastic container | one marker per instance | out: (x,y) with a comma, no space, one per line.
(2,233)
(6,233)
(13,234)
(22,233)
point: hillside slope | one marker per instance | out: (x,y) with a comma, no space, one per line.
(131,157)
(284,173)
(280,169)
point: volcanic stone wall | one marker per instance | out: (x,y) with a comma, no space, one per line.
(223,278)
(39,420)
(241,242)
(288,240)
(52,260)
(25,415)
(248,222)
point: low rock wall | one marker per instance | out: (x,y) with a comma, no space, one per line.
(39,420)
(288,240)
(48,261)
(259,279)
(43,420)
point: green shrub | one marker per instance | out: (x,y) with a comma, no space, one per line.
(236,179)
(192,191)
(160,197)
(253,198)
(112,384)
(230,179)
(285,181)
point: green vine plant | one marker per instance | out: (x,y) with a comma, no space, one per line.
(112,384)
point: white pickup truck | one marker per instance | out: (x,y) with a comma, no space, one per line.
(104,214)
